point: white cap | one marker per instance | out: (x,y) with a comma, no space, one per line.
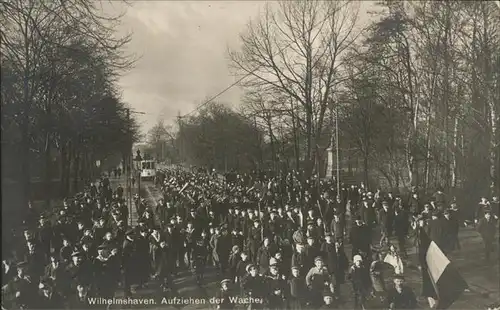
(357,258)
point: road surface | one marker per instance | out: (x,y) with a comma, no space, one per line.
(482,278)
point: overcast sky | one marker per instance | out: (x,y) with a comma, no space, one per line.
(183,53)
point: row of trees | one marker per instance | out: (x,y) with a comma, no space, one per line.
(61,111)
(415,94)
(216,137)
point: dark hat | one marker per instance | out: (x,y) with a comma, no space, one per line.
(318,258)
(225,281)
(130,232)
(192,210)
(328,234)
(385,203)
(76,253)
(295,267)
(310,222)
(102,247)
(399,276)
(23,264)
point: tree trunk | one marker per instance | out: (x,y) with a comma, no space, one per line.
(67,171)
(62,174)
(453,166)
(271,136)
(295,139)
(48,170)
(308,142)
(427,167)
(493,149)
(365,169)
(25,179)
(76,170)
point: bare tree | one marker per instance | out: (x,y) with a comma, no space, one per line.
(295,50)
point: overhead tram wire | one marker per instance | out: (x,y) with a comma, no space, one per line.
(237,82)
(231,86)
(220,93)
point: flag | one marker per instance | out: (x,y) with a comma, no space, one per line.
(439,273)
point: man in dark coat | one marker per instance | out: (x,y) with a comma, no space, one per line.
(368,213)
(142,257)
(487,228)
(164,266)
(401,226)
(56,272)
(200,252)
(312,250)
(173,239)
(337,226)
(253,285)
(290,224)
(224,295)
(81,299)
(401,296)
(276,287)
(44,237)
(435,229)
(21,290)
(450,232)
(79,271)
(223,249)
(254,240)
(360,238)
(342,264)
(35,259)
(129,264)
(414,204)
(297,290)
(264,254)
(361,283)
(48,298)
(385,218)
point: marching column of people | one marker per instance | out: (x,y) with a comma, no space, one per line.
(276,242)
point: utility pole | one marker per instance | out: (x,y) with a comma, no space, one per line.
(181,142)
(128,163)
(337,146)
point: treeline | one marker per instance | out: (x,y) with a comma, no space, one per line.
(217,138)
(61,111)
(415,95)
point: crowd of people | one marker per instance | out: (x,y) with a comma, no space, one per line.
(278,241)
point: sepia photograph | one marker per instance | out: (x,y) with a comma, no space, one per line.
(250,155)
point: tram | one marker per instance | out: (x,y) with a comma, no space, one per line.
(148,169)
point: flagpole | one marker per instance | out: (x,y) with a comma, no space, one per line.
(337,148)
